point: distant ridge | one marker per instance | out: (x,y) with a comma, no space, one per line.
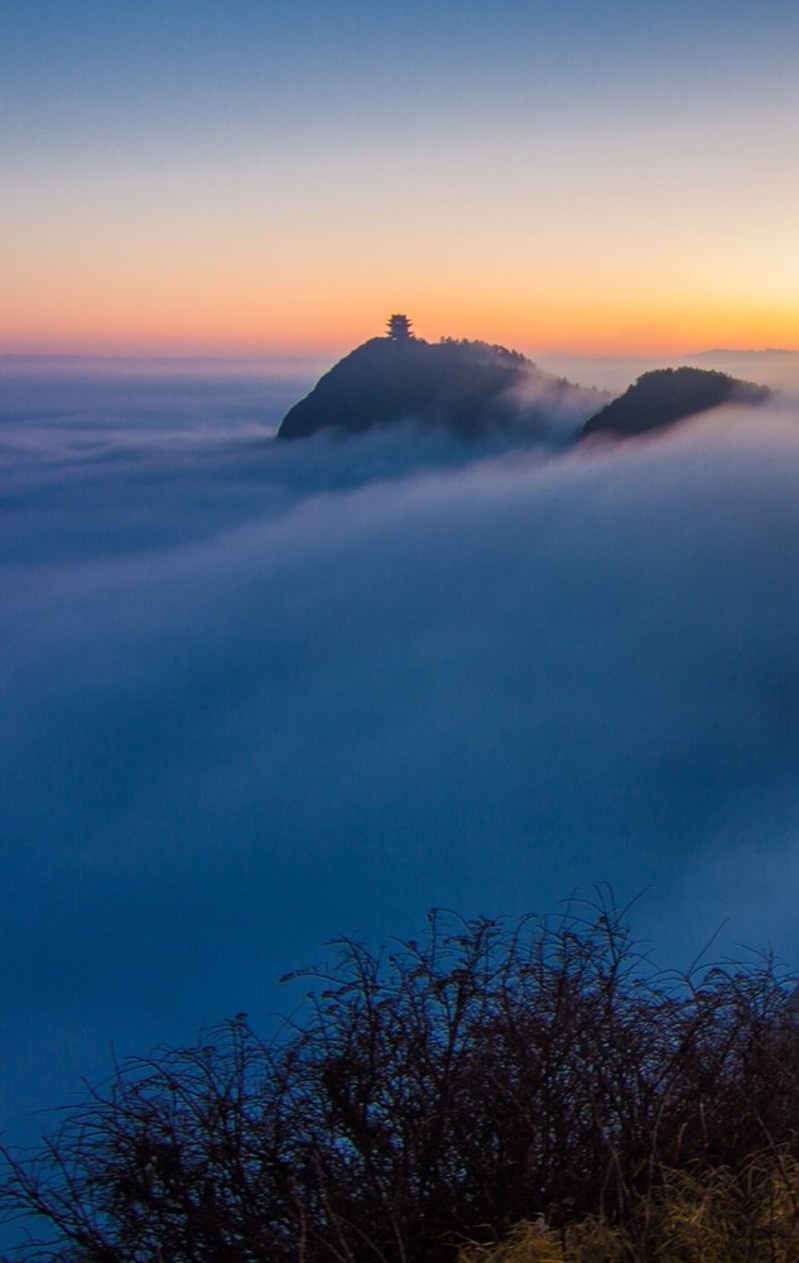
(729,353)
(665,396)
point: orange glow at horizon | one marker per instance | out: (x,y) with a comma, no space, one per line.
(100,298)
(202,325)
(173,261)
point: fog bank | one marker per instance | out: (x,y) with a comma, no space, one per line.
(256,696)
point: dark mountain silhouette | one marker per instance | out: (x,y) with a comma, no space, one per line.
(668,395)
(471,387)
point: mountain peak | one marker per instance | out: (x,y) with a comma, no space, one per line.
(469,387)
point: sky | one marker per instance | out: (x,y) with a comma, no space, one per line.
(271,177)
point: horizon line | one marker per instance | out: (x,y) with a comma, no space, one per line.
(163,357)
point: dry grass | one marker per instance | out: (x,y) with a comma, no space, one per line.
(699,1216)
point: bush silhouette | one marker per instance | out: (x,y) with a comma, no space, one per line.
(482,1076)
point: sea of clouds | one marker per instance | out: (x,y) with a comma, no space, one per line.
(257,694)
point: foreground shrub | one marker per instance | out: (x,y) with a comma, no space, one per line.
(483,1077)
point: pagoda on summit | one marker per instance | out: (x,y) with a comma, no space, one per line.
(398,328)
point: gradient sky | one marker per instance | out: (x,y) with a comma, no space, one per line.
(265,176)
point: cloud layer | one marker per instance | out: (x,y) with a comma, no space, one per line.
(256,696)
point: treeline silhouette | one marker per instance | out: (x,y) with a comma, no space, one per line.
(540,1079)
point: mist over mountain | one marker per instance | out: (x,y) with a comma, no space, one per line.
(471,388)
(258,693)
(476,390)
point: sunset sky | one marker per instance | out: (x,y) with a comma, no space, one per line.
(266,176)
